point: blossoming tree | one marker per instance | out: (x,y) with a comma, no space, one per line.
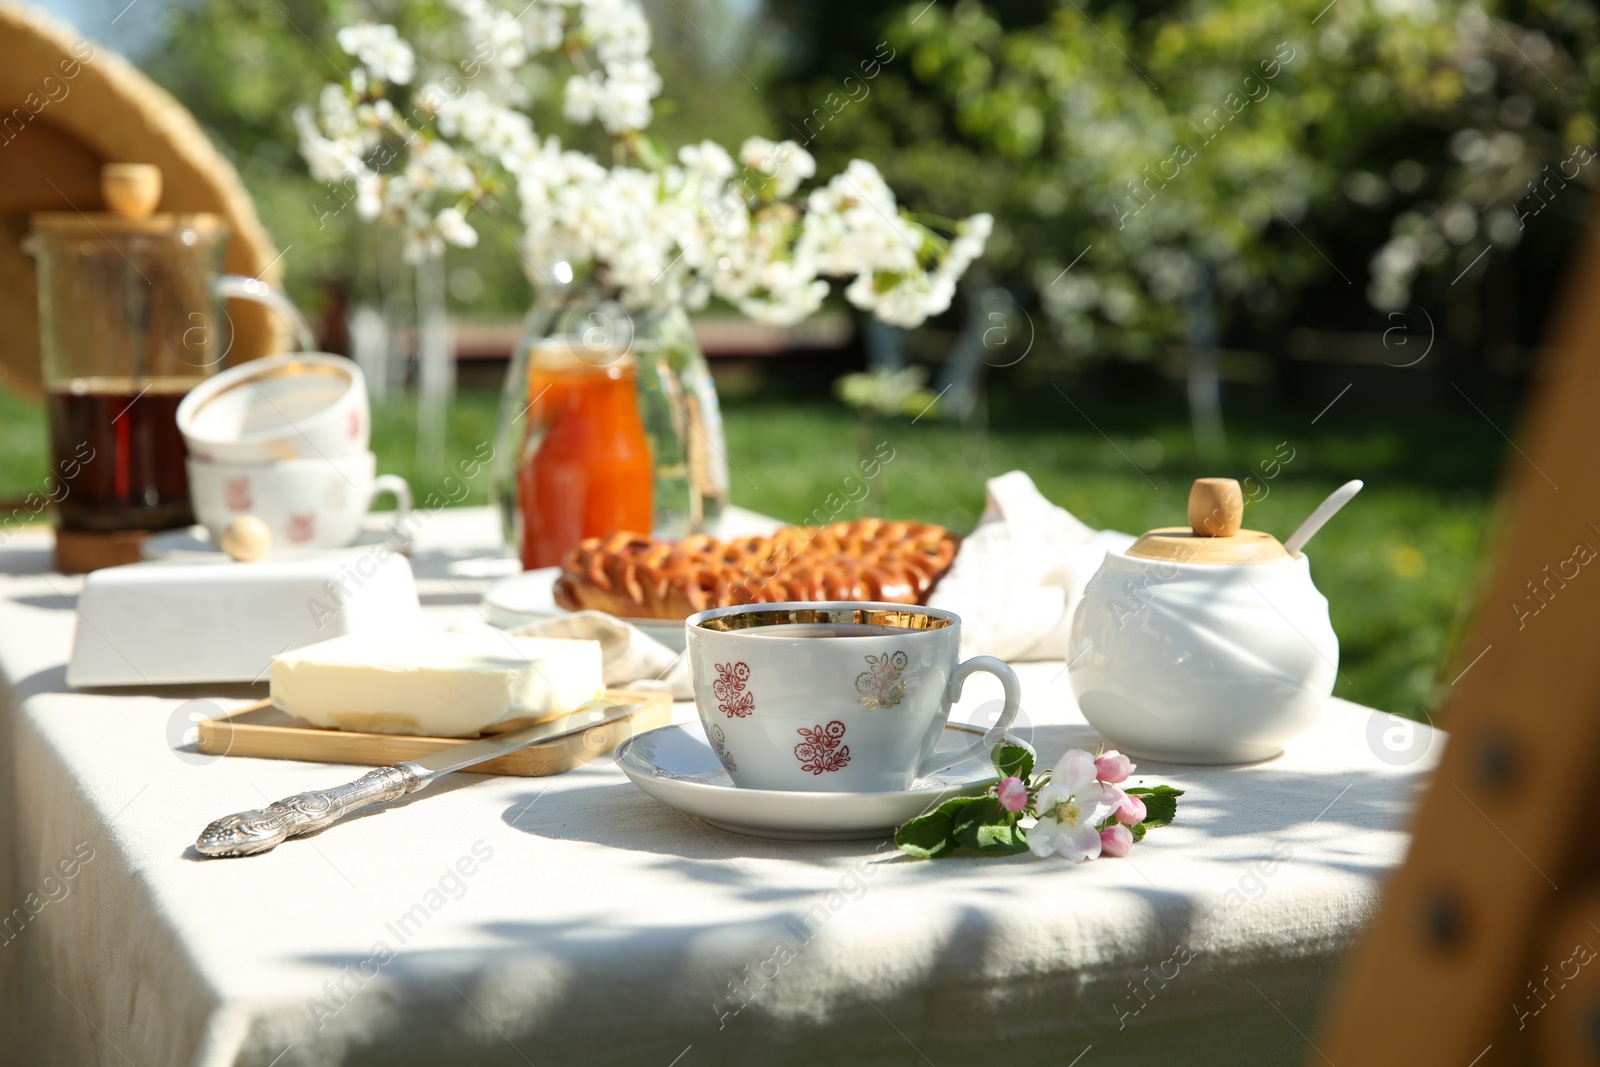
(445,142)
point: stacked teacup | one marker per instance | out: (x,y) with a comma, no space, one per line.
(286,439)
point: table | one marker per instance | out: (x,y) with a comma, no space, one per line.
(574,920)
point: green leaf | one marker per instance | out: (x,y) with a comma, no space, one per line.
(978,825)
(926,837)
(988,829)
(1001,840)
(932,834)
(979,809)
(958,808)
(1160,804)
(1154,791)
(1013,761)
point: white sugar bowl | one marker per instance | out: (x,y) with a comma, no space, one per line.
(1207,644)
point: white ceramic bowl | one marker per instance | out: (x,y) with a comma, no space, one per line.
(306,503)
(305,405)
(1197,663)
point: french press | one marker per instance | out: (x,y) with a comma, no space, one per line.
(129,322)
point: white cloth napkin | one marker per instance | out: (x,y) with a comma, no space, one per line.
(630,658)
(1019,576)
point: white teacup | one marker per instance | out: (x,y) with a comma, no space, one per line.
(305,405)
(833,697)
(306,503)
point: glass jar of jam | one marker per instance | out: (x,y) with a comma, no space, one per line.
(583,466)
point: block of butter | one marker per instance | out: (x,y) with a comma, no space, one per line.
(436,683)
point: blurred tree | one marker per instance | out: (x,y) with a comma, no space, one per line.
(1210,159)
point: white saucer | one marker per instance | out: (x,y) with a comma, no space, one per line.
(675,765)
(529,597)
(193,544)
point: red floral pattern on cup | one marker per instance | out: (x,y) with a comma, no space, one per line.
(353,427)
(302,527)
(821,750)
(733,700)
(236,493)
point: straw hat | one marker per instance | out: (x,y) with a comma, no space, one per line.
(67,106)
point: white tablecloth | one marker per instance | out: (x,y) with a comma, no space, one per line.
(574,920)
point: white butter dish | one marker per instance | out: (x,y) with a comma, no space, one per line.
(172,623)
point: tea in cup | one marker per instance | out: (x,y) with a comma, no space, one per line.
(833,697)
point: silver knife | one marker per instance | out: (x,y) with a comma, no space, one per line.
(250,832)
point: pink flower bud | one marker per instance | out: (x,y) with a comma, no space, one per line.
(1112,767)
(1132,812)
(1013,794)
(1116,841)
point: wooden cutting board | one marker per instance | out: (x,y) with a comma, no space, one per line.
(267,732)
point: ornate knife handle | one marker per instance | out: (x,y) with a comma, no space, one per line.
(255,831)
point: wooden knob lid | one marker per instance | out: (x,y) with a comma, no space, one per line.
(1214,534)
(1216,507)
(246,539)
(131,190)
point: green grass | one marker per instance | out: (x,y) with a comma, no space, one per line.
(469,425)
(24,448)
(1398,565)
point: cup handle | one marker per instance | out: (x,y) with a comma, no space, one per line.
(1008,714)
(240,287)
(401,489)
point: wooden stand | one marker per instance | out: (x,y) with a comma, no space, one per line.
(1484,949)
(79,552)
(264,731)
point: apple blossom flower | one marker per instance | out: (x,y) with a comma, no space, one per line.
(784,163)
(369,196)
(1116,840)
(454,229)
(379,48)
(1131,812)
(1071,807)
(1067,825)
(1112,767)
(1013,795)
(1074,770)
(708,159)
(544,27)
(967,246)
(581,100)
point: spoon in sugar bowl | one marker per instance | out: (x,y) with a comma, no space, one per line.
(1319,518)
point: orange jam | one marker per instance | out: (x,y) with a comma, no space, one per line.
(585,469)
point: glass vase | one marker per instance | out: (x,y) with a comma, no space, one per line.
(684,421)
